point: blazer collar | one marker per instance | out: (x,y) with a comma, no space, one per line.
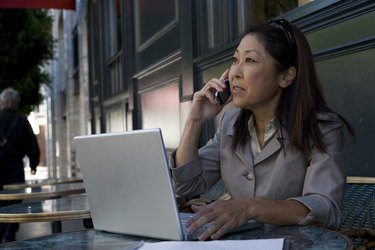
(230,129)
(272,146)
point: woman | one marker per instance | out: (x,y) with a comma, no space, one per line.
(279,152)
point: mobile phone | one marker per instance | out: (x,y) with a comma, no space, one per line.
(222,97)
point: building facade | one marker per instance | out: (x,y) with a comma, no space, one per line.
(68,96)
(132,64)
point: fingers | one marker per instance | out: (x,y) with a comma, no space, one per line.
(225,75)
(213,85)
(218,218)
(219,232)
(192,223)
(204,105)
(215,231)
(208,91)
(197,208)
(216,225)
(215,228)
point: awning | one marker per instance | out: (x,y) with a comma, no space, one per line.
(38,4)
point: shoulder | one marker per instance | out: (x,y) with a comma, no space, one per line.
(19,118)
(20,121)
(328,122)
(230,114)
(8,116)
(228,118)
(22,118)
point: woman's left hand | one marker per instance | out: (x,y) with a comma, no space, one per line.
(221,216)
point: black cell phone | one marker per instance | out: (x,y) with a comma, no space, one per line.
(222,97)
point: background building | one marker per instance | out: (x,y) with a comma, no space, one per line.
(131,64)
(68,96)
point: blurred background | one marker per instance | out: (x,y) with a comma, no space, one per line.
(115,65)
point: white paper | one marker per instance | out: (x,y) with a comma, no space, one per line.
(263,244)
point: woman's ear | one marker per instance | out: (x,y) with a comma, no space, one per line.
(287,77)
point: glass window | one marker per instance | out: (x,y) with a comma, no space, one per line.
(112,18)
(113,24)
(219,22)
(265,10)
(152,17)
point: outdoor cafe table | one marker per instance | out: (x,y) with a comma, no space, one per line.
(296,237)
(38,183)
(65,208)
(43,192)
(53,210)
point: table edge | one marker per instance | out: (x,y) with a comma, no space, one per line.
(41,195)
(42,217)
(25,185)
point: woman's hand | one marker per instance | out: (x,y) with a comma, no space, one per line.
(221,216)
(224,215)
(204,106)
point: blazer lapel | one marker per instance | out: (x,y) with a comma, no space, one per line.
(271,147)
(246,156)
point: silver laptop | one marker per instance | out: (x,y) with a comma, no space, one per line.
(128,184)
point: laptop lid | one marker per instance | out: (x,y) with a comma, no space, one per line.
(128,184)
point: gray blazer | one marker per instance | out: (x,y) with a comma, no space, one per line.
(317,180)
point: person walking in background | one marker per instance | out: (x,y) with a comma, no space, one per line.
(17,140)
(279,151)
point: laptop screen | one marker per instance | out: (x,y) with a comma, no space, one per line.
(128,184)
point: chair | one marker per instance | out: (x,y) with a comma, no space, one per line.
(358,212)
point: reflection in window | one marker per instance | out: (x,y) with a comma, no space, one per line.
(113,20)
(265,10)
(114,61)
(220,22)
(153,16)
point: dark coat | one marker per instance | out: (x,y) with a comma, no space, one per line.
(24,143)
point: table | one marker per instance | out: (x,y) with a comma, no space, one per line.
(296,237)
(53,210)
(65,208)
(38,183)
(43,192)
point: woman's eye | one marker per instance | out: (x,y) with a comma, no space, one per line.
(234,59)
(249,60)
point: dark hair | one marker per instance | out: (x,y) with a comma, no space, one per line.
(301,100)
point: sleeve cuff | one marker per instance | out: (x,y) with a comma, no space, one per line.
(319,210)
(185,172)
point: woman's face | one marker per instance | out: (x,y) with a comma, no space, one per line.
(253,77)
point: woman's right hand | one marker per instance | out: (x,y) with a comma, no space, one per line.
(204,106)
